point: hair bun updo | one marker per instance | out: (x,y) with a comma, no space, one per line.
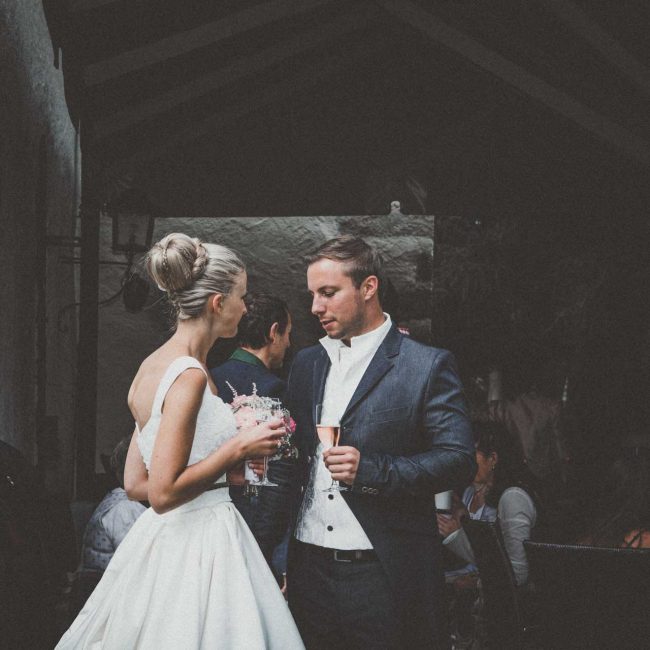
(176,262)
(190,271)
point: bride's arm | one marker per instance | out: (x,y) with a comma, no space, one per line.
(171,481)
(135,472)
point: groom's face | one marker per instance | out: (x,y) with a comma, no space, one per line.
(336,302)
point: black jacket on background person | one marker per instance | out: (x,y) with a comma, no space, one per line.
(241,371)
(267,520)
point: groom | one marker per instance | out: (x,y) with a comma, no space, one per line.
(365,566)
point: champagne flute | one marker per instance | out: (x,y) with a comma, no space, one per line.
(329,431)
(252,481)
(264,415)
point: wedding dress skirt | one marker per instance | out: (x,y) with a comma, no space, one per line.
(191,578)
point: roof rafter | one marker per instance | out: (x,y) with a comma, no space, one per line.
(236,70)
(270,94)
(87,5)
(607,45)
(515,75)
(208,34)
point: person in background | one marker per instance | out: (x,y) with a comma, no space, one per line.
(112,519)
(263,336)
(504,490)
(622,517)
(107,527)
(530,407)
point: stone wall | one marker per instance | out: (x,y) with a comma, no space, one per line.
(273,249)
(38,198)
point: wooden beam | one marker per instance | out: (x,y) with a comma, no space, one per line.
(87,5)
(571,15)
(208,34)
(263,97)
(87,346)
(557,100)
(240,68)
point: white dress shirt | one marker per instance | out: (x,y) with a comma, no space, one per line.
(325,518)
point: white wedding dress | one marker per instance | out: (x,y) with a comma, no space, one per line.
(193,577)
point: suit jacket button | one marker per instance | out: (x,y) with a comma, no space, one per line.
(364,489)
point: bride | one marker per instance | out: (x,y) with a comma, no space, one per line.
(189,574)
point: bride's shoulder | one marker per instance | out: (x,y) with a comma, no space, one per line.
(139,386)
(147,378)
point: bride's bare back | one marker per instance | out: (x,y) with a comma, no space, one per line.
(147,379)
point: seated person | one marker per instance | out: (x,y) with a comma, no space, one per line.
(111,520)
(502,490)
(623,518)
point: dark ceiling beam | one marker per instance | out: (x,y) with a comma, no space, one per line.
(87,5)
(208,34)
(239,69)
(513,74)
(600,40)
(262,97)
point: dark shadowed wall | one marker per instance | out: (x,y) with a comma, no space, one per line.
(39,165)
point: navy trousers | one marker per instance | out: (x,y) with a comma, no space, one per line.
(342,605)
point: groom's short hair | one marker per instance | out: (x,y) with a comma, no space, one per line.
(262,310)
(359,258)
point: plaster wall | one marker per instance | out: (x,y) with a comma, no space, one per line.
(273,250)
(38,158)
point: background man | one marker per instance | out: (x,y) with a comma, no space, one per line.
(364,565)
(263,336)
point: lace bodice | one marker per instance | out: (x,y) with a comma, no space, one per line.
(215,422)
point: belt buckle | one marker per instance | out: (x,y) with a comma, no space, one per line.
(339,559)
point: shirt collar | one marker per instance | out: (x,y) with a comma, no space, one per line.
(244,355)
(358,344)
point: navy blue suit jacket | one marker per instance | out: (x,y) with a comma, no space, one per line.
(408,419)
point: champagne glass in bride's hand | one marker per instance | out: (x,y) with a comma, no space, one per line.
(328,431)
(270,412)
(252,480)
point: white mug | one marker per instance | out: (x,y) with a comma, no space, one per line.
(444,502)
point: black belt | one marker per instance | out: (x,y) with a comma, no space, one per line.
(338,555)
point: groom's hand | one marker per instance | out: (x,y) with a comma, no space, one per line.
(257,465)
(343,463)
(235,475)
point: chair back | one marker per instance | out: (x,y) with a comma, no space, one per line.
(592,597)
(502,613)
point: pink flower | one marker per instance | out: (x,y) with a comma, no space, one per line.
(245,417)
(239,400)
(247,408)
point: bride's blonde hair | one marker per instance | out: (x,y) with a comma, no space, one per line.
(190,271)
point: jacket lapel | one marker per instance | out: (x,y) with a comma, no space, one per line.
(321,367)
(381,363)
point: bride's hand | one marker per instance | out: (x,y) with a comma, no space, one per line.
(262,439)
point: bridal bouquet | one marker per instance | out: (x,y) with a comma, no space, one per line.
(251,409)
